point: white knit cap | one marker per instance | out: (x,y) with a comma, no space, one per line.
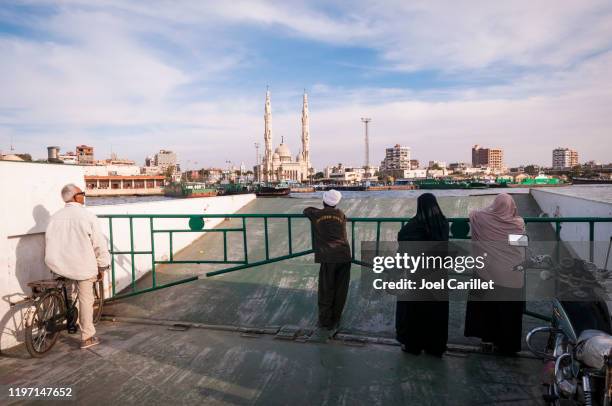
(332,197)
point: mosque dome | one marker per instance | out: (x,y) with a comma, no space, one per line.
(275,156)
(283,151)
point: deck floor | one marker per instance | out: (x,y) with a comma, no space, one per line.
(150,364)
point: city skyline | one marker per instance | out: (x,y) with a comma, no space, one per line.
(522,77)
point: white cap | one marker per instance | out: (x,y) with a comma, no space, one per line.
(332,197)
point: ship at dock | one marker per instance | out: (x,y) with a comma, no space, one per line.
(189,190)
(272,190)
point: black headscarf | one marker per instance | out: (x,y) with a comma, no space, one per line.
(430,217)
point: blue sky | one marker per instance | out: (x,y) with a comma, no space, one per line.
(437,76)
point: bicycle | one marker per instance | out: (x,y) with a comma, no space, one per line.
(53,311)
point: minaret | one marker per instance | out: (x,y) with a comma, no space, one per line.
(267,164)
(306,132)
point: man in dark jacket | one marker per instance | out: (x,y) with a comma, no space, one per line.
(333,252)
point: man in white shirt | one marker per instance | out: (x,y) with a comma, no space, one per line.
(76,249)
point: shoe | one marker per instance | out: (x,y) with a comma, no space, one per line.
(90,342)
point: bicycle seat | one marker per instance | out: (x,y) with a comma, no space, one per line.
(46,283)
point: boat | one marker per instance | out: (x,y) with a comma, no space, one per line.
(441,184)
(591,181)
(234,189)
(189,189)
(273,190)
(541,180)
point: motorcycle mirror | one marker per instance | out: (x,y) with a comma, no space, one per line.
(518,240)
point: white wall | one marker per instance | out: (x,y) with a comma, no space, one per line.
(577,234)
(29,195)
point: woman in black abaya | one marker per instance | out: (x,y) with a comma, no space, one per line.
(421,319)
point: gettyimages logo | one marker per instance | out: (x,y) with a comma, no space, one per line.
(414,263)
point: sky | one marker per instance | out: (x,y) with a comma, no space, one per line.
(191,76)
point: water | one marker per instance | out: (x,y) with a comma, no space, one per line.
(105,200)
(602,193)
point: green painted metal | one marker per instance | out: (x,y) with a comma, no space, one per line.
(110,229)
(259,263)
(196,223)
(153,273)
(459,229)
(170,234)
(132,254)
(289,236)
(266,238)
(167,285)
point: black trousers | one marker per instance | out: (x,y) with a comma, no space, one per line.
(333,289)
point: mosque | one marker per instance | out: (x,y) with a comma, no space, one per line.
(280,165)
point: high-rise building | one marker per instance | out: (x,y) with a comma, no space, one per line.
(564,158)
(487,157)
(85,154)
(396,157)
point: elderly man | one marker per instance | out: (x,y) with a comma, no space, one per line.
(76,249)
(333,252)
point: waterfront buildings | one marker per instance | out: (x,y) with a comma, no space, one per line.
(118,185)
(564,158)
(396,157)
(279,166)
(85,155)
(488,157)
(397,161)
(349,175)
(437,165)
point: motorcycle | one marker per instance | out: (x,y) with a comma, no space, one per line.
(578,354)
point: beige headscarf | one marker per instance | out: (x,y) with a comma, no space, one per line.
(490,229)
(497,221)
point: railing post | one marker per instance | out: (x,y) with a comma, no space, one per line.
(132,253)
(266,237)
(110,229)
(289,234)
(377,236)
(244,240)
(353,239)
(170,236)
(153,274)
(225,246)
(591,240)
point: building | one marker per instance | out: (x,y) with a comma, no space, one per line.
(458,166)
(410,174)
(348,175)
(69,158)
(437,164)
(487,157)
(115,185)
(564,158)
(396,158)
(414,164)
(279,166)
(85,155)
(165,159)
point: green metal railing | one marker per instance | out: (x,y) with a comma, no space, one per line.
(196,224)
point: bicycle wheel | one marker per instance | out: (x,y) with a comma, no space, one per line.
(44,324)
(98,288)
